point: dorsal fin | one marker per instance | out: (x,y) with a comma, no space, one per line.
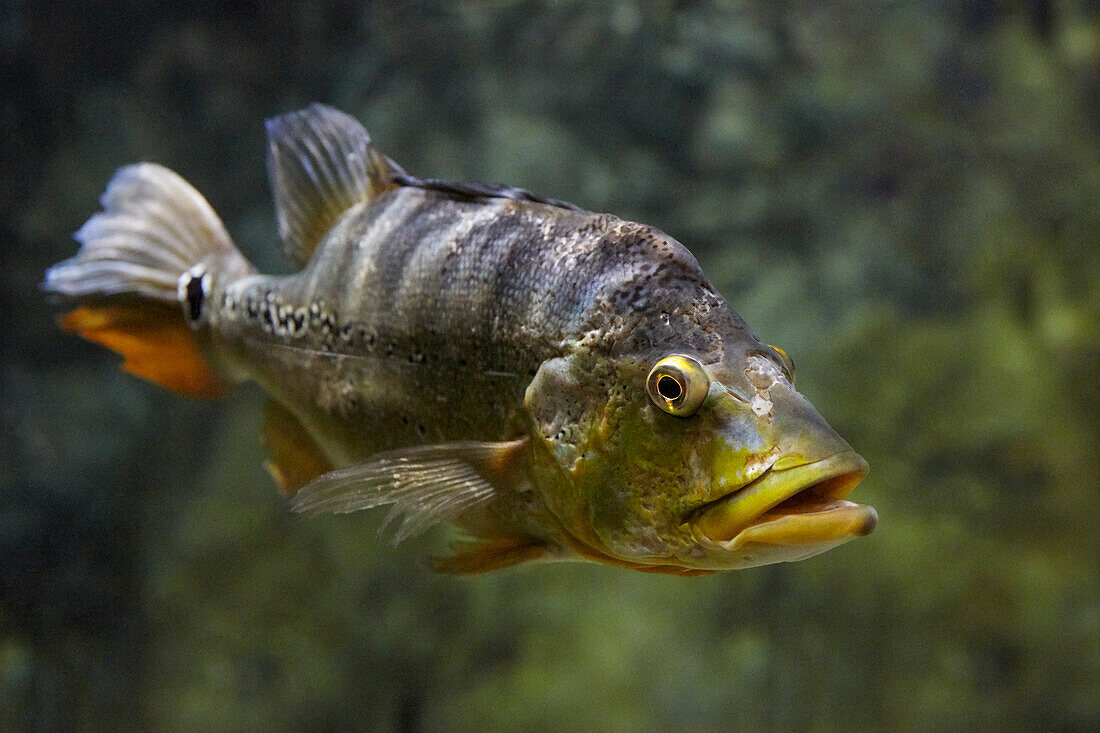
(321,163)
(472,190)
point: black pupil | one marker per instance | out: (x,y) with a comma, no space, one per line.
(669,388)
(195,297)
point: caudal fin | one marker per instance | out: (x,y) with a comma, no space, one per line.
(142,268)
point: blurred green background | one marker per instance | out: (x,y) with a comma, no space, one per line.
(904,195)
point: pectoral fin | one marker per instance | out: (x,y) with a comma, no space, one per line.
(295,459)
(423,485)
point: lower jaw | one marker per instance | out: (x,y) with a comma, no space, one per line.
(830,522)
(751,554)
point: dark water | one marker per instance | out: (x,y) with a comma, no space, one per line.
(902,195)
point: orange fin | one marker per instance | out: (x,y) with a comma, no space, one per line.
(154,340)
(481,556)
(295,459)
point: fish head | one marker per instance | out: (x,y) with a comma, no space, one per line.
(674,463)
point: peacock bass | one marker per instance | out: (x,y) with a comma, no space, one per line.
(558,384)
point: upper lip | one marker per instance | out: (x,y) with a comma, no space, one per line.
(813,490)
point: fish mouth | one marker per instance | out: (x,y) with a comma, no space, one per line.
(790,511)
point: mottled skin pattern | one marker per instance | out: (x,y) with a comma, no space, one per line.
(422,318)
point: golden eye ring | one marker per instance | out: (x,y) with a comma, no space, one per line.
(678,385)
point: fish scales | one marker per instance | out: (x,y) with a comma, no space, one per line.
(556,383)
(430,284)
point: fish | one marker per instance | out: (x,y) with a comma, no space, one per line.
(551,383)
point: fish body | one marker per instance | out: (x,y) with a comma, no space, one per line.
(558,384)
(437,302)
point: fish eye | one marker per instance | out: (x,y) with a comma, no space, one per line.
(678,385)
(786,362)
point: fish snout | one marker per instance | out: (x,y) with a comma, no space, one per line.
(799,430)
(796,506)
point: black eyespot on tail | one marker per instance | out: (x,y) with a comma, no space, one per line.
(195,293)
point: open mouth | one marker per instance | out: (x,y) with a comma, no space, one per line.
(802,505)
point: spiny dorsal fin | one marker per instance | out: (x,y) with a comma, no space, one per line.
(321,163)
(425,484)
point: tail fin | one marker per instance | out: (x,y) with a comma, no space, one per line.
(141,270)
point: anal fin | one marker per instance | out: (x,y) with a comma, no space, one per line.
(294,458)
(469,557)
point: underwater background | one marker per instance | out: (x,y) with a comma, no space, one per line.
(903,195)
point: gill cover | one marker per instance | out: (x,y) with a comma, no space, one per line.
(608,463)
